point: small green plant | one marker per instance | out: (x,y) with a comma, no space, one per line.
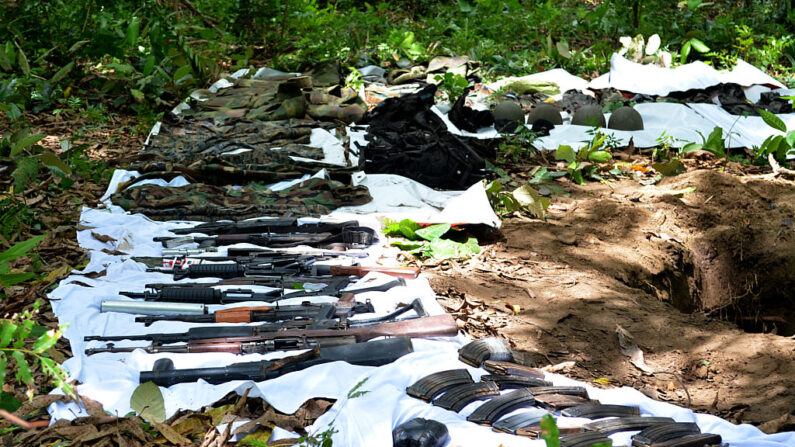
(519,146)
(452,85)
(692,43)
(22,340)
(551,435)
(323,439)
(777,146)
(584,163)
(354,79)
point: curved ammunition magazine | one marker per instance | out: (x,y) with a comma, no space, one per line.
(511,369)
(557,402)
(494,409)
(432,385)
(478,351)
(665,432)
(459,397)
(599,411)
(583,439)
(700,440)
(514,382)
(567,390)
(516,422)
(610,426)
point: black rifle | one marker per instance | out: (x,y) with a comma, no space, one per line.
(348,236)
(374,353)
(281,265)
(284,225)
(323,320)
(207,295)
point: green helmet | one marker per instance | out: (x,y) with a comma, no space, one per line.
(508,116)
(546,112)
(626,118)
(589,115)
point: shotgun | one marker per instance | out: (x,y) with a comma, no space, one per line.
(283,225)
(349,236)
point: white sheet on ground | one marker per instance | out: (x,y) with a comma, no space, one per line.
(629,76)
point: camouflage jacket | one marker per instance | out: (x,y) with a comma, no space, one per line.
(202,202)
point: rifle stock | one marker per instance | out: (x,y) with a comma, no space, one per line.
(355,270)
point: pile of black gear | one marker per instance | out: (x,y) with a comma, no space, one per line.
(405,137)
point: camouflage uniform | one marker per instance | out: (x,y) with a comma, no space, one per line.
(203,202)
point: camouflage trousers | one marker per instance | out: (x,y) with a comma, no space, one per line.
(202,202)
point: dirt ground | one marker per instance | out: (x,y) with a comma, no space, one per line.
(674,272)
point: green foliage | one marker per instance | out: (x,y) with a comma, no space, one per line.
(452,85)
(780,146)
(517,147)
(583,163)
(17,251)
(24,342)
(323,439)
(438,241)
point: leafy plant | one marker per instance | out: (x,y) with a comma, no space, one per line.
(583,163)
(7,278)
(779,146)
(323,439)
(551,435)
(429,241)
(452,85)
(22,340)
(518,146)
(692,43)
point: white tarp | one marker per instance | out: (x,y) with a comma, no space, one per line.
(629,76)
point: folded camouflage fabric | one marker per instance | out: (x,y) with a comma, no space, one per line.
(202,202)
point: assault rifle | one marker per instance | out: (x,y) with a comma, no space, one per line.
(274,226)
(303,338)
(207,295)
(246,314)
(280,265)
(239,251)
(323,320)
(349,236)
(374,353)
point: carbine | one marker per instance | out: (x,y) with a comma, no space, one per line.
(324,319)
(208,295)
(283,265)
(286,339)
(374,353)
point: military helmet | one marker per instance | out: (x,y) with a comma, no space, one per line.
(589,115)
(546,112)
(626,118)
(543,118)
(508,116)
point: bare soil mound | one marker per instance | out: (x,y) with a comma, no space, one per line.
(674,269)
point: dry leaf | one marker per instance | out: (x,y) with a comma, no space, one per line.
(102,237)
(513,307)
(171,434)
